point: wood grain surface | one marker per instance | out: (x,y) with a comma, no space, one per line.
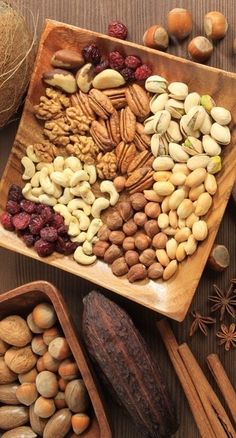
(16,269)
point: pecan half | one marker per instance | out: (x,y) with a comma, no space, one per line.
(81,100)
(142,141)
(117,97)
(101,137)
(113,127)
(137,100)
(125,153)
(100,103)
(142,159)
(127,124)
(141,179)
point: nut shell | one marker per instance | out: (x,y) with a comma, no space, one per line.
(14,331)
(136,273)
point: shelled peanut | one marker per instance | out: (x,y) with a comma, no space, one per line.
(40,385)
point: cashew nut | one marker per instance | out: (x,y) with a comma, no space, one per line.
(76,204)
(31,154)
(73,163)
(69,174)
(84,220)
(29,168)
(35,179)
(82,258)
(108,187)
(45,182)
(26,191)
(66,197)
(60,178)
(80,238)
(63,210)
(47,199)
(37,191)
(94,226)
(91,170)
(87,247)
(87,194)
(78,176)
(57,191)
(41,165)
(74,229)
(99,205)
(58,164)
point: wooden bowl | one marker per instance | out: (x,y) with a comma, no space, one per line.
(173,297)
(21,301)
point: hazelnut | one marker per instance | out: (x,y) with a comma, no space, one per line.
(100,247)
(142,241)
(59,348)
(50,363)
(50,334)
(114,220)
(132,257)
(117,237)
(28,377)
(151,228)
(155,271)
(68,369)
(44,407)
(140,218)
(200,49)
(112,253)
(33,327)
(44,315)
(40,365)
(80,423)
(59,400)
(130,227)
(27,393)
(128,243)
(215,25)
(147,257)
(138,201)
(152,209)
(46,384)
(119,267)
(38,345)
(156,37)
(125,210)
(179,23)
(159,241)
(136,273)
(119,183)
(62,384)
(103,233)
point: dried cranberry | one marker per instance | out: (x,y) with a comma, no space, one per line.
(128,74)
(133,62)
(29,239)
(116,60)
(91,54)
(61,231)
(36,224)
(70,247)
(142,72)
(117,29)
(102,65)
(28,206)
(49,234)
(6,221)
(57,220)
(12,207)
(15,193)
(21,220)
(60,245)
(47,213)
(44,248)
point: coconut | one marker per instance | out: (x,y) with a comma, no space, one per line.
(16,60)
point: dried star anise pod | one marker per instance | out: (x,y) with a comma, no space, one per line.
(227,336)
(200,322)
(225,301)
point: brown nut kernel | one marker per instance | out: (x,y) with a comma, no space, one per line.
(142,241)
(159,241)
(119,183)
(112,253)
(147,257)
(155,271)
(117,237)
(114,220)
(125,210)
(136,273)
(152,210)
(128,243)
(119,267)
(151,228)
(132,257)
(130,227)
(103,233)
(51,334)
(100,247)
(50,363)
(138,201)
(140,218)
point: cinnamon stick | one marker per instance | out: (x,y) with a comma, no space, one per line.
(223,382)
(202,422)
(215,412)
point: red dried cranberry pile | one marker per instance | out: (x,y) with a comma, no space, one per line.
(117,29)
(37,224)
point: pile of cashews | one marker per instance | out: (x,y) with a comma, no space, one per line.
(66,185)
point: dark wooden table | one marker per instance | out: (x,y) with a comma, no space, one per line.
(16,269)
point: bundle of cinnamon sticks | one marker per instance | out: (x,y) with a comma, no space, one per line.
(210,416)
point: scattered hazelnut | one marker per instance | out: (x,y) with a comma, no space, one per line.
(155,271)
(200,49)
(119,267)
(132,257)
(114,220)
(59,348)
(50,363)
(159,241)
(147,257)
(40,365)
(46,384)
(33,327)
(125,210)
(140,218)
(137,272)
(179,23)
(151,228)
(119,183)
(38,345)
(138,201)
(112,253)
(103,233)
(44,407)
(128,243)
(28,377)
(142,241)
(130,227)
(27,393)
(152,210)
(215,25)
(44,315)
(219,258)
(100,247)
(156,37)
(80,423)
(117,237)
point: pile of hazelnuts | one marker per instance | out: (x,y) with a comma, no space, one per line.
(179,27)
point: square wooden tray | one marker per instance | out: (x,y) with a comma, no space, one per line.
(171,298)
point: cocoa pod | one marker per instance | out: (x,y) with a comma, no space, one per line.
(123,358)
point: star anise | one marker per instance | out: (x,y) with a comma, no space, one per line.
(200,322)
(225,301)
(227,336)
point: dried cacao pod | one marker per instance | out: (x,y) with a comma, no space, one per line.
(122,356)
